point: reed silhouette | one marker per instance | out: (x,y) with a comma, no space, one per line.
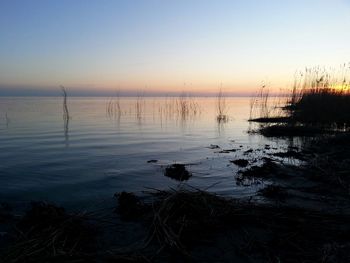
(318,102)
(321,97)
(221,107)
(113,107)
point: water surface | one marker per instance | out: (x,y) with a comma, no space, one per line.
(104,149)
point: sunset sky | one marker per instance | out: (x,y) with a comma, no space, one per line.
(160,47)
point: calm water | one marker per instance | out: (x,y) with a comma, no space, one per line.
(100,152)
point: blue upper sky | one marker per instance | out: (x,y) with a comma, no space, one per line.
(164,46)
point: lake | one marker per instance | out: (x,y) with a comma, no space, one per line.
(107,143)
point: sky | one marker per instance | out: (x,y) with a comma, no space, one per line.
(164,47)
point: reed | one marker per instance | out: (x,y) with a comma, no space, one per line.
(186,107)
(66,116)
(262,106)
(113,106)
(318,102)
(321,96)
(7,120)
(65,107)
(140,105)
(221,107)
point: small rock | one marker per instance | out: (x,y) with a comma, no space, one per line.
(240,162)
(178,172)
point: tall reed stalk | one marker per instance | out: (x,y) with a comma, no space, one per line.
(65,107)
(66,116)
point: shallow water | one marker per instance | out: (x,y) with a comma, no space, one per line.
(102,150)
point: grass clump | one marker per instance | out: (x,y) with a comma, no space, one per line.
(319,102)
(321,96)
(183,219)
(46,233)
(323,106)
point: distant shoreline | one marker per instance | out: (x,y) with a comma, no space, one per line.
(129,96)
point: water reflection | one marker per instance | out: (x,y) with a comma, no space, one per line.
(65,116)
(66,130)
(174,130)
(7,120)
(221,126)
(140,105)
(114,110)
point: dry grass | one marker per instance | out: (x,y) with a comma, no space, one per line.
(47,233)
(113,106)
(186,107)
(321,96)
(265,108)
(183,218)
(318,100)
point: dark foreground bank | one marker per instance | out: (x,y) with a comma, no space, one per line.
(180,226)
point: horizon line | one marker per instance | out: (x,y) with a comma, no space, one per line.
(122,93)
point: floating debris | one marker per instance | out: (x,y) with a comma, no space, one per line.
(214,146)
(227,151)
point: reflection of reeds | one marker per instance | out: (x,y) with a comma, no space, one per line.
(7,119)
